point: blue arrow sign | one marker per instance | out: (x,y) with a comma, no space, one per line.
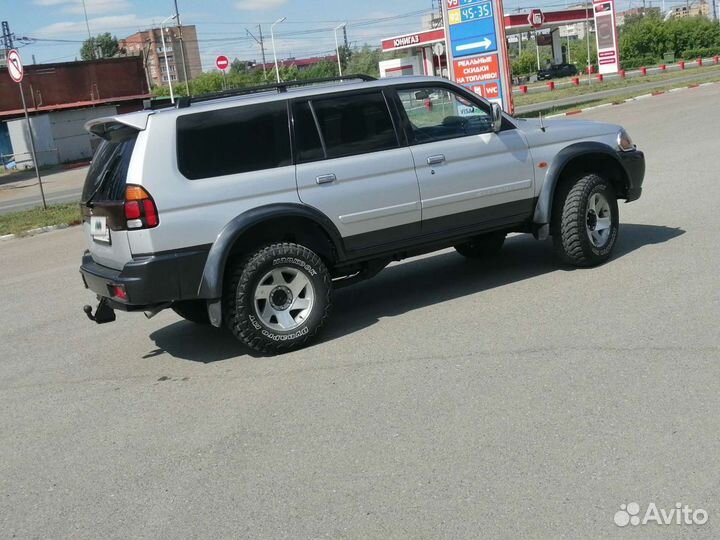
(473,37)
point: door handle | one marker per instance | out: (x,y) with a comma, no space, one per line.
(326,178)
(436,160)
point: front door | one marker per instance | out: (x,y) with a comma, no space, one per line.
(469,175)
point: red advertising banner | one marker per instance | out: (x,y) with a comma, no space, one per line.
(477,69)
(413,40)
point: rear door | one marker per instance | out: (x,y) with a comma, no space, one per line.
(103,198)
(351,167)
(469,175)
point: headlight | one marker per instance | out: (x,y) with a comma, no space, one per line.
(624,141)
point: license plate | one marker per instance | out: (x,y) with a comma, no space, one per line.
(99,229)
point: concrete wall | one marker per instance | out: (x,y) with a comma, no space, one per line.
(73,143)
(60,137)
(44,144)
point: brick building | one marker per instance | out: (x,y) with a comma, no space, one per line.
(148,44)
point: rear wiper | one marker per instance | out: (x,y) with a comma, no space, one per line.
(103,178)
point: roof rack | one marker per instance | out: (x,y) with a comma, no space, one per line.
(280,88)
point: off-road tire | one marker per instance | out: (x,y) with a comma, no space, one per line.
(485,245)
(570,221)
(192,310)
(239,305)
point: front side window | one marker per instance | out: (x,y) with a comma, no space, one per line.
(354,124)
(437,114)
(233,141)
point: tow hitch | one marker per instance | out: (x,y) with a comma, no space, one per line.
(103,313)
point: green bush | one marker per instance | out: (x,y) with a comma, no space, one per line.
(634,63)
(691,54)
(651,37)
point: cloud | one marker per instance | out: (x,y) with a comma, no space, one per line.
(257,5)
(123,25)
(94,7)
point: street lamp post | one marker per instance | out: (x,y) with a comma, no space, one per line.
(337,47)
(272,38)
(167,64)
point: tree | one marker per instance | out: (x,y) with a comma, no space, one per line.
(101,46)
(365,62)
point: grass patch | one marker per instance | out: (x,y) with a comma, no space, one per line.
(585,88)
(615,100)
(25,220)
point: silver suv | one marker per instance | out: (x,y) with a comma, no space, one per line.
(247,209)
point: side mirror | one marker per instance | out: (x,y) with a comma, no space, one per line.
(496,117)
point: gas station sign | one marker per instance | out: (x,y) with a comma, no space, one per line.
(608,55)
(477,49)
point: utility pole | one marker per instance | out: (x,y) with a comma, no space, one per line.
(182,49)
(262,46)
(87,25)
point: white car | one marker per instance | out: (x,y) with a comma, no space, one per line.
(246,209)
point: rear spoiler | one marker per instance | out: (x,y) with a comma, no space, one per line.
(112,127)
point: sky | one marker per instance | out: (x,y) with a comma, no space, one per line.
(56,28)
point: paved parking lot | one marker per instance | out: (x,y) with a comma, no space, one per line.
(448,399)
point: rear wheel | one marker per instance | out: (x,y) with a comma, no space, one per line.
(277,299)
(586,225)
(485,245)
(192,310)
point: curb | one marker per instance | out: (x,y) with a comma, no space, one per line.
(636,98)
(33,232)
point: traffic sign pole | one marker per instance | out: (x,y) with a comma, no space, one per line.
(32,146)
(16,72)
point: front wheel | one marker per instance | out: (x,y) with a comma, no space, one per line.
(278,299)
(587,223)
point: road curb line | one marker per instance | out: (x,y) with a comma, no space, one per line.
(39,230)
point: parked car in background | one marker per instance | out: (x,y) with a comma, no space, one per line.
(556,71)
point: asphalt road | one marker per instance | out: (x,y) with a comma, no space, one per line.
(20,191)
(448,399)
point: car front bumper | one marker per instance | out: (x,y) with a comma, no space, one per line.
(634,164)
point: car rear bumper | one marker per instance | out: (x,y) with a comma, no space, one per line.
(634,165)
(148,281)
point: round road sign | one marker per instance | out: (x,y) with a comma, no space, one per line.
(15,67)
(536,18)
(222,62)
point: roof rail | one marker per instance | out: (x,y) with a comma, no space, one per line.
(184,102)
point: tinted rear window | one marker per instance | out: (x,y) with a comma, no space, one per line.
(107,175)
(233,141)
(355,124)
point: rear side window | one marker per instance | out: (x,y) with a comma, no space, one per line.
(233,141)
(107,174)
(351,125)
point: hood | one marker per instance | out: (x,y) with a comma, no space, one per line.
(557,130)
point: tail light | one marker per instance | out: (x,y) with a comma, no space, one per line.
(140,209)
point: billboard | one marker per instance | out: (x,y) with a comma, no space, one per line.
(477,49)
(606,34)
